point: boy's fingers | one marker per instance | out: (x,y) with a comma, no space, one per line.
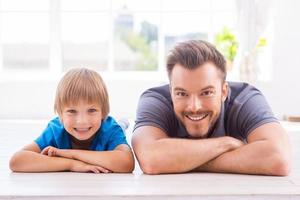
(45,151)
(50,152)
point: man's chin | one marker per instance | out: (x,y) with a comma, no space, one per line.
(197,135)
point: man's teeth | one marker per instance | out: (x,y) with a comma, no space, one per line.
(197,118)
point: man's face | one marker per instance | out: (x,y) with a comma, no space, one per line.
(197,97)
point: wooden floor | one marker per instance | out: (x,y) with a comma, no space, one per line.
(67,185)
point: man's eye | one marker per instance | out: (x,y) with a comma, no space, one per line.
(181,94)
(207,93)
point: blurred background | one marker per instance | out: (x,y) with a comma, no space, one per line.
(127,42)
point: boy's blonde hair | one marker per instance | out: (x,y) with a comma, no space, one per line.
(81,84)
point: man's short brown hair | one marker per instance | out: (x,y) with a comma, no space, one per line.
(195,53)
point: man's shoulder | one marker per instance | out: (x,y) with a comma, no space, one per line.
(240,92)
(245,109)
(163,91)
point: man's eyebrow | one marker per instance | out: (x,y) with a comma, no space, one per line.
(208,87)
(205,88)
(179,88)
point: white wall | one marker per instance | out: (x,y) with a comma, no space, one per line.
(31,99)
(34,100)
(283,92)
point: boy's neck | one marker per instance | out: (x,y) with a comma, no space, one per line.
(81,144)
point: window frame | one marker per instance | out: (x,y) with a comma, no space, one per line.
(55,68)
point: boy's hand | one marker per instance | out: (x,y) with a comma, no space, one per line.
(78,166)
(50,151)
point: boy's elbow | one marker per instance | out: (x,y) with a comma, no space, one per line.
(13,163)
(127,165)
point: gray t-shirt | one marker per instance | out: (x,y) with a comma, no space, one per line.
(244,110)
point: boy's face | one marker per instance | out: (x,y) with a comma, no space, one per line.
(197,97)
(82,120)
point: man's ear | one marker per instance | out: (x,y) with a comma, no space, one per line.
(224,91)
(170,89)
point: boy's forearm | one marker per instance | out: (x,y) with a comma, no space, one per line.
(115,161)
(28,161)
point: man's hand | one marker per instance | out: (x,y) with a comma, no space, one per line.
(234,143)
(267,152)
(78,166)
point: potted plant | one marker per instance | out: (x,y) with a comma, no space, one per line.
(227,44)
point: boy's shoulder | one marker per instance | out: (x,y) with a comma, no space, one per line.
(109,124)
(55,128)
(56,124)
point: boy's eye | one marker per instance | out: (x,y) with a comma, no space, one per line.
(92,110)
(71,111)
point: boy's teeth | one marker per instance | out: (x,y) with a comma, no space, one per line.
(82,129)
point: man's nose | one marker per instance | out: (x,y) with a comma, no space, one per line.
(195,103)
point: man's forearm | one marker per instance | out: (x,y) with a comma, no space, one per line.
(169,155)
(259,157)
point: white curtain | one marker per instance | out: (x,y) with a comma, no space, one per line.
(253,17)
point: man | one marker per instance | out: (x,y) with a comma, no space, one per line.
(200,122)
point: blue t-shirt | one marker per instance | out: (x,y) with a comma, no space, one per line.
(107,138)
(244,110)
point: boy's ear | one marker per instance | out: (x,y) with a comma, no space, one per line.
(60,118)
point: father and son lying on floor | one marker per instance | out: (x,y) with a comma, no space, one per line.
(197,122)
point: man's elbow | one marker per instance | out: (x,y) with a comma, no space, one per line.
(281,167)
(149,168)
(150,165)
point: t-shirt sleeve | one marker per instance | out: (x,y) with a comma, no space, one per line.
(253,113)
(153,110)
(46,138)
(116,138)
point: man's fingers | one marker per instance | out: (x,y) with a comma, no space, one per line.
(95,170)
(103,170)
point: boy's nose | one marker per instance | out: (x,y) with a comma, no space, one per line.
(81,119)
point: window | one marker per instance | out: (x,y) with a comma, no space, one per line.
(116,35)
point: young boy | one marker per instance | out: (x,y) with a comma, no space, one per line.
(83,138)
